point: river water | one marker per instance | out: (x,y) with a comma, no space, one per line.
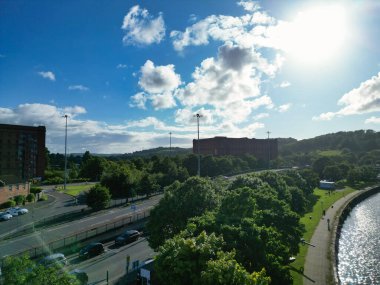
(359,244)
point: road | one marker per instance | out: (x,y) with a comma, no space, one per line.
(48,235)
(113,261)
(57,203)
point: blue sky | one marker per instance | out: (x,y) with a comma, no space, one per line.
(129,72)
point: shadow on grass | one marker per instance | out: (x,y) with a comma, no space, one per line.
(300,271)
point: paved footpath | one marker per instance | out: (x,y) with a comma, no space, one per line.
(317,263)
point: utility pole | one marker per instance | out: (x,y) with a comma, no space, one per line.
(268,132)
(65,116)
(199,156)
(170,143)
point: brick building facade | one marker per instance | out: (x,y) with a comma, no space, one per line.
(260,148)
(22,153)
(12,190)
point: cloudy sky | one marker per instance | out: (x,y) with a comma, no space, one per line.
(128,73)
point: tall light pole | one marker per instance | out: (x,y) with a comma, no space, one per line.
(64,185)
(268,132)
(170,143)
(199,156)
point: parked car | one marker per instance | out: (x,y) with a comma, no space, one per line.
(17,211)
(22,211)
(92,249)
(56,258)
(127,237)
(12,211)
(5,216)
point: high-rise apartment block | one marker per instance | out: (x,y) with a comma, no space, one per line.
(22,153)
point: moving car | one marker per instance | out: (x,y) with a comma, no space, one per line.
(5,216)
(54,259)
(127,237)
(16,211)
(92,249)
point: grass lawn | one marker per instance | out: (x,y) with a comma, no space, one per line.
(324,202)
(330,152)
(76,189)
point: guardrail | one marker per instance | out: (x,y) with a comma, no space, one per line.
(51,246)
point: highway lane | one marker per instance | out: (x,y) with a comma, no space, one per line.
(113,261)
(46,236)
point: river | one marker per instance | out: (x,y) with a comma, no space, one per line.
(359,244)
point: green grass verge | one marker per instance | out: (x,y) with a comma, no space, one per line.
(324,202)
(330,152)
(76,189)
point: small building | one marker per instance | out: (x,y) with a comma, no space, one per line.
(326,185)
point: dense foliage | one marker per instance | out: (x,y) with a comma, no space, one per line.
(23,271)
(256,216)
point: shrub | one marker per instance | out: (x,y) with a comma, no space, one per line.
(31,197)
(19,199)
(8,204)
(35,190)
(43,197)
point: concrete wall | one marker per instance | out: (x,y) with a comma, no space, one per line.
(12,190)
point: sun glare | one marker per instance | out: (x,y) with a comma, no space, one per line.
(317,34)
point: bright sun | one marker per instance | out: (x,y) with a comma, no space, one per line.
(317,34)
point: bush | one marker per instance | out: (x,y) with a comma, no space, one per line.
(340,184)
(43,197)
(8,204)
(19,199)
(31,197)
(35,190)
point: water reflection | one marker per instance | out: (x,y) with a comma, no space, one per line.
(359,244)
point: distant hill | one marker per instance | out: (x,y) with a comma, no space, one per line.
(354,141)
(160,151)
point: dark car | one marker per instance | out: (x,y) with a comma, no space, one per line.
(91,249)
(127,237)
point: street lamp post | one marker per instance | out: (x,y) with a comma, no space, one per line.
(65,116)
(268,132)
(170,143)
(199,156)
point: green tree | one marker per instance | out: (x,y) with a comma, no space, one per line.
(92,168)
(120,180)
(98,197)
(180,202)
(200,261)
(332,173)
(23,271)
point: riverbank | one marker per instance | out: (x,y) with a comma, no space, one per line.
(320,258)
(341,217)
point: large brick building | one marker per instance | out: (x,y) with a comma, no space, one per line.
(261,148)
(22,153)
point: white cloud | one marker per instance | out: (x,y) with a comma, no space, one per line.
(139,100)
(121,65)
(162,101)
(261,116)
(159,84)
(229,82)
(95,136)
(285,84)
(158,79)
(47,75)
(361,100)
(78,88)
(372,120)
(285,107)
(248,30)
(141,28)
(250,6)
